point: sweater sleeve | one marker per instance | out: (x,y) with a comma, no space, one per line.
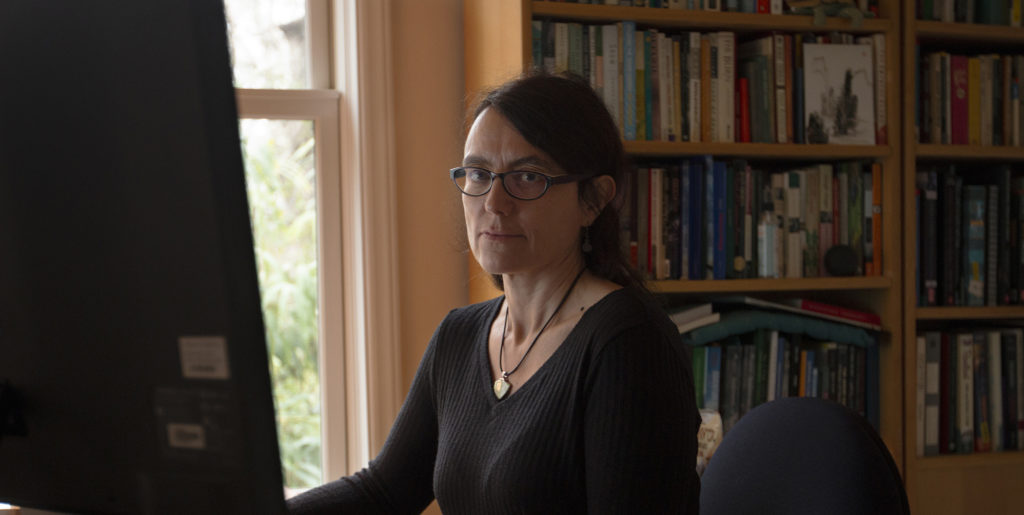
(400,478)
(641,425)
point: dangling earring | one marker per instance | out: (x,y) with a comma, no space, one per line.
(587,247)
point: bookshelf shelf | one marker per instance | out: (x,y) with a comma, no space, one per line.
(499,40)
(947,33)
(957,483)
(697,19)
(970,313)
(967,461)
(970,152)
(758,150)
(773,285)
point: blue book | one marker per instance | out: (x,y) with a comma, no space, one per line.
(974,245)
(720,198)
(684,219)
(629,79)
(696,209)
(710,210)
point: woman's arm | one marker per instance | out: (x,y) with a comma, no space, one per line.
(641,425)
(400,478)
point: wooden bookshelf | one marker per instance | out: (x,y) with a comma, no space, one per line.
(498,46)
(980,482)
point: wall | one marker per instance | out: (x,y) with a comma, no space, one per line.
(428,100)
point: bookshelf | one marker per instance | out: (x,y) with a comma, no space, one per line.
(498,45)
(978,482)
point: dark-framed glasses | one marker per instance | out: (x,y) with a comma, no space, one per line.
(523,185)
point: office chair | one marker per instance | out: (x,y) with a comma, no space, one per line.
(802,455)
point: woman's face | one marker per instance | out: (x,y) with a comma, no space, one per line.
(508,235)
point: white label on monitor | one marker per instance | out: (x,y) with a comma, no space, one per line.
(186,436)
(204,357)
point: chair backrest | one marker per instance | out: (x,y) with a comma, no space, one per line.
(802,455)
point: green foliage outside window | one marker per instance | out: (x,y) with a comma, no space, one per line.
(281,180)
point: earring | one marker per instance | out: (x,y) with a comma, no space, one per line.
(587,247)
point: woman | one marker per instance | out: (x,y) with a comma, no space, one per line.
(568,394)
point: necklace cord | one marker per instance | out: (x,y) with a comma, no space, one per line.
(501,349)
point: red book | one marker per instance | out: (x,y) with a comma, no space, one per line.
(837,311)
(958,102)
(764,7)
(744,110)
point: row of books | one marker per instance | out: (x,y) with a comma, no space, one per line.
(737,374)
(990,12)
(970,99)
(702,218)
(970,246)
(742,6)
(712,87)
(970,391)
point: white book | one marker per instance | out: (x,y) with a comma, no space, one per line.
(995,389)
(776,7)
(699,322)
(726,86)
(682,314)
(594,69)
(561,47)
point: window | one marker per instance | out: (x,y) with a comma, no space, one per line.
(290,142)
(313,90)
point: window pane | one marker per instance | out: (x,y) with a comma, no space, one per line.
(281,180)
(268,43)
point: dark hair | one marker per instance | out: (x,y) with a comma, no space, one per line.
(563,116)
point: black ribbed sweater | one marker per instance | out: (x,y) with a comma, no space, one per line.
(607,425)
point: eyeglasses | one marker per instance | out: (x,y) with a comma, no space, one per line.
(522,185)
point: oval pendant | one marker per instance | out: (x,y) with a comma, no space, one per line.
(501,388)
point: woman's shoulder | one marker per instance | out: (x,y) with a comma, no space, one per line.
(469,318)
(628,309)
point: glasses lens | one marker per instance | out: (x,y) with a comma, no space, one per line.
(473,181)
(526,185)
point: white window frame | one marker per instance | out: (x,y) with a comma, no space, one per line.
(351,108)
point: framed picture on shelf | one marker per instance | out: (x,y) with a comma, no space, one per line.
(839,99)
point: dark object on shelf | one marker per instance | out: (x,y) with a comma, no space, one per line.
(841,260)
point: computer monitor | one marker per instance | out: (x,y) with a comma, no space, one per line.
(133,360)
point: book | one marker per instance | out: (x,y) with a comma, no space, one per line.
(921,378)
(933,342)
(974,244)
(698,322)
(686,313)
(995,389)
(870,319)
(839,94)
(965,393)
(820,310)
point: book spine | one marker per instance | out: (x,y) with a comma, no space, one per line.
(958,99)
(992,248)
(779,87)
(726,42)
(965,392)
(982,430)
(876,216)
(974,245)
(881,80)
(629,79)
(995,389)
(933,342)
(921,378)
